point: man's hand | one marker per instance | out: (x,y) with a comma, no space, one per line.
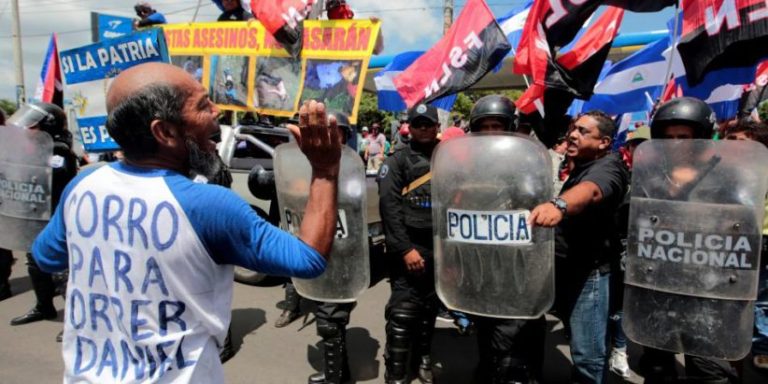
(318,137)
(414,263)
(545,215)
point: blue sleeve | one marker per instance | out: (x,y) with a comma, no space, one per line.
(234,234)
(50,247)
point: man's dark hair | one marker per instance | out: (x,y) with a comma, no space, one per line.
(129,121)
(604,123)
(750,128)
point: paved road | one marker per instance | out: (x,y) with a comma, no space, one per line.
(266,354)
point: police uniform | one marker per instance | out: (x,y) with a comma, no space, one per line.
(510,350)
(658,365)
(332,318)
(406,211)
(64,164)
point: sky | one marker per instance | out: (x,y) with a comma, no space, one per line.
(407,25)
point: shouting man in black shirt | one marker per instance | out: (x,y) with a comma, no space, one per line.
(586,240)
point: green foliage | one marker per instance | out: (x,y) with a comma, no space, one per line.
(369,112)
(369,109)
(8,106)
(762,110)
(466,100)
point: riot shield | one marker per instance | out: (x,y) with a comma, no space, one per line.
(694,241)
(488,261)
(25,185)
(348,272)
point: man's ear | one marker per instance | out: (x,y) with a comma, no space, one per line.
(166,134)
(605,143)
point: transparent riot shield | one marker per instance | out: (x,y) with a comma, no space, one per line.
(694,239)
(25,186)
(488,261)
(348,272)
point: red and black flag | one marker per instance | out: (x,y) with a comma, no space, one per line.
(722,34)
(283,19)
(561,20)
(473,45)
(574,74)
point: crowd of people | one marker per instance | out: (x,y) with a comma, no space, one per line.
(589,211)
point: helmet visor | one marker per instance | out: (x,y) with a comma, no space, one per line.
(27,116)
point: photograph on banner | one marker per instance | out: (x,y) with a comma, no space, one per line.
(191,64)
(333,82)
(277,84)
(229,81)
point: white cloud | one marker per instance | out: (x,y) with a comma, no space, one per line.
(415,24)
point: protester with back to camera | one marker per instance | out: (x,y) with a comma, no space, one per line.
(161,248)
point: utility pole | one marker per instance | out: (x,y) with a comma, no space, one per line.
(447,15)
(17,57)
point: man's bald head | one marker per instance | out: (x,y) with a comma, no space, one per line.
(140,95)
(134,79)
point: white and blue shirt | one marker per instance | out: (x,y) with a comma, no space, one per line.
(150,257)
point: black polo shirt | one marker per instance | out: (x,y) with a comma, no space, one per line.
(590,239)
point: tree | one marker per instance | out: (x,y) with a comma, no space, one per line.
(8,106)
(369,112)
(465,100)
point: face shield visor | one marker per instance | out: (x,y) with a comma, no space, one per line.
(28,116)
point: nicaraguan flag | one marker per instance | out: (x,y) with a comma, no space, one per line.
(513,22)
(629,82)
(389,99)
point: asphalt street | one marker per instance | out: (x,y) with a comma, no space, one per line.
(266,354)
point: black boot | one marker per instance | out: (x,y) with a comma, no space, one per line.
(45,290)
(423,350)
(396,355)
(336,365)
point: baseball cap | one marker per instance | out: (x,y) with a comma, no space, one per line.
(365,129)
(423,111)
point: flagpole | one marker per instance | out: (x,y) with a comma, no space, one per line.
(21,96)
(197,9)
(673,44)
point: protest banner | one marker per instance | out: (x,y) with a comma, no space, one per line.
(246,69)
(88,72)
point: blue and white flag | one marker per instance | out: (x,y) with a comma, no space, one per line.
(89,70)
(630,82)
(389,99)
(104,26)
(513,22)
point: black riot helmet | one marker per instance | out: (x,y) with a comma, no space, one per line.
(342,121)
(496,106)
(687,111)
(47,117)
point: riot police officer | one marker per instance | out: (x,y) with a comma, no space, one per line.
(332,318)
(6,256)
(683,118)
(52,120)
(405,207)
(511,350)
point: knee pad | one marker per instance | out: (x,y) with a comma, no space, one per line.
(328,330)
